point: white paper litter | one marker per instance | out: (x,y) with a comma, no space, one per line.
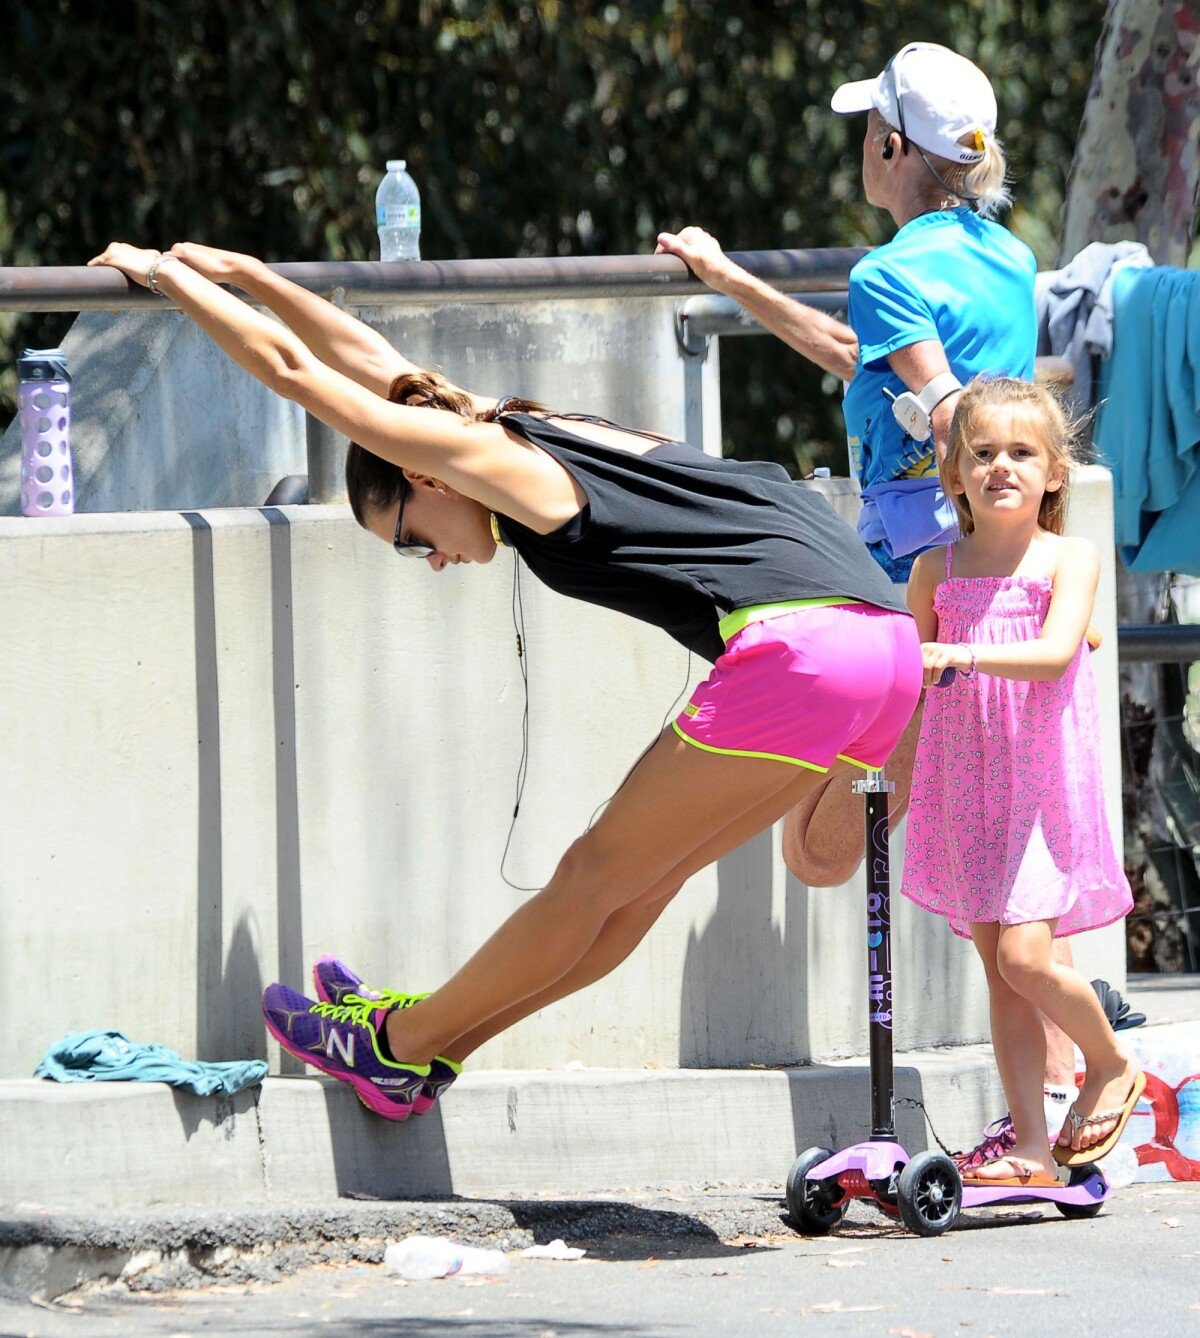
(557,1249)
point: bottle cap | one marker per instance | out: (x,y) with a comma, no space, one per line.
(42,364)
(396,164)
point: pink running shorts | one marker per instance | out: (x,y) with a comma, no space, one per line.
(810,686)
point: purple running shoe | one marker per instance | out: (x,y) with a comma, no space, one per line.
(336,983)
(344,1042)
(999,1138)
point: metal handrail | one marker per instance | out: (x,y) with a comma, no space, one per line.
(1158,643)
(376,283)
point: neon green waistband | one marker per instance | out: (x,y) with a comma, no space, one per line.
(734,622)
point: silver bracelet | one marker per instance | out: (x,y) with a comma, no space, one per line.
(152,273)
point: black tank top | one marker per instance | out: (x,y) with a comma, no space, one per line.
(679,538)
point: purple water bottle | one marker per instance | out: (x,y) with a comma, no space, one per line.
(44,408)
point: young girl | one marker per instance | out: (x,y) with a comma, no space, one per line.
(817,662)
(1007,835)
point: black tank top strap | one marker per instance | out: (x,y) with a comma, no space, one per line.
(581,418)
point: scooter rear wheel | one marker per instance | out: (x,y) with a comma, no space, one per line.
(1077,1211)
(929,1193)
(812,1202)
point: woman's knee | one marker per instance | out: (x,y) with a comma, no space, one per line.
(591,874)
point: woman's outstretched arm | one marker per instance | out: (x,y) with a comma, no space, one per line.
(340,340)
(479,460)
(828,342)
(427,440)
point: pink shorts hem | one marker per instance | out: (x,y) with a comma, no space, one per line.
(743,752)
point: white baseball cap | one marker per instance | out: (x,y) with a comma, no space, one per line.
(931,94)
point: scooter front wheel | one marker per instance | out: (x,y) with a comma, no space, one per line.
(813,1203)
(929,1193)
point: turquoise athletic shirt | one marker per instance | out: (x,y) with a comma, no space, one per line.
(949,275)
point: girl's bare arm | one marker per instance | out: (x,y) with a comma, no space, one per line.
(1048,655)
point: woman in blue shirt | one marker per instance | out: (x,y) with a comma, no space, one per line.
(950,296)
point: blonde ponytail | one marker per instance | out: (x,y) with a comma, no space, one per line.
(986,180)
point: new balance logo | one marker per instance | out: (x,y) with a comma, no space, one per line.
(344,1045)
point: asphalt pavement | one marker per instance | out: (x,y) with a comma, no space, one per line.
(732,1266)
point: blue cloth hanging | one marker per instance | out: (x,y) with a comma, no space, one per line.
(1148,422)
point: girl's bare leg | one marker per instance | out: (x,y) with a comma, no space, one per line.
(1024,957)
(680,809)
(1019,1044)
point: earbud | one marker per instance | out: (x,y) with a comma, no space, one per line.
(888,150)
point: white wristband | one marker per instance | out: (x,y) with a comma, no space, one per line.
(912,409)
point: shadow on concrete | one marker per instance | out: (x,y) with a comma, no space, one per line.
(229,992)
(219,1112)
(618,1231)
(374,1158)
(290,959)
(735,1008)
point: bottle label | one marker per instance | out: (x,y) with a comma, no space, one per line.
(398,216)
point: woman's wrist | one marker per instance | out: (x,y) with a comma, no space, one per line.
(152,272)
(972,667)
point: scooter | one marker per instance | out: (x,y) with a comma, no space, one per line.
(926,1192)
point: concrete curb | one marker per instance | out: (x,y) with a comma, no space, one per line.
(113,1146)
(45,1257)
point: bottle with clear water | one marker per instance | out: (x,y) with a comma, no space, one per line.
(398,214)
(44,410)
(419,1257)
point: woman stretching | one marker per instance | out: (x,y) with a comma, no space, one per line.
(815,657)
(1007,834)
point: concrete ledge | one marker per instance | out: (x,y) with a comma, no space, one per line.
(113,1146)
(128,1147)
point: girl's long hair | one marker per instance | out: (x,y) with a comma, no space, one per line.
(1054,429)
(374,484)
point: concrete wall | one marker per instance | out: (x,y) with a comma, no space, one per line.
(237,739)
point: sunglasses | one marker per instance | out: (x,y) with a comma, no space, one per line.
(408,549)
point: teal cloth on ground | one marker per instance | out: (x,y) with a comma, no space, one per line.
(1148,423)
(110,1056)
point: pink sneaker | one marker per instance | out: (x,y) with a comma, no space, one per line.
(999,1138)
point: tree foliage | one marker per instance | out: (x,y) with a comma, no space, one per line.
(546,127)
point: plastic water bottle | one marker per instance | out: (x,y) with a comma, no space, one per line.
(420,1257)
(44,410)
(398,214)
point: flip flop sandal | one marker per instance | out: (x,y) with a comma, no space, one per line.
(1026,1177)
(1065,1155)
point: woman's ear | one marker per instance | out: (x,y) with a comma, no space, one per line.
(425,481)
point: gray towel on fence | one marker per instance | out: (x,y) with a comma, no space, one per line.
(1075,309)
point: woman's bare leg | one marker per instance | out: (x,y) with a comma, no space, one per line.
(680,809)
(823,841)
(622,932)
